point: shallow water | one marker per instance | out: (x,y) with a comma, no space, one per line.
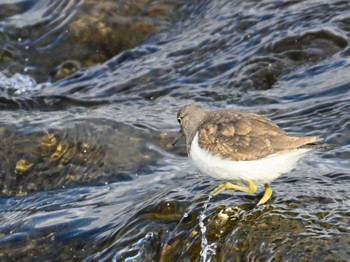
(89,93)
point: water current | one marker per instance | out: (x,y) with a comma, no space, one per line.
(89,92)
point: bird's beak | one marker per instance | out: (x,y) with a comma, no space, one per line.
(177,138)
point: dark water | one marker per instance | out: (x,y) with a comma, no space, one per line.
(89,93)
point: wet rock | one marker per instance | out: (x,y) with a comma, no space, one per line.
(5,56)
(95,32)
(250,235)
(309,46)
(76,155)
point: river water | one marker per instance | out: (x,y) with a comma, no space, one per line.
(89,92)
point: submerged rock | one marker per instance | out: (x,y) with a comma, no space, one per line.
(61,158)
(83,35)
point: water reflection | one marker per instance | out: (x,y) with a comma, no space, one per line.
(89,93)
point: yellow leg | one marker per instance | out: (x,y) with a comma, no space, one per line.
(251,189)
(266,196)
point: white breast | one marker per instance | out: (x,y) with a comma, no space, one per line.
(260,171)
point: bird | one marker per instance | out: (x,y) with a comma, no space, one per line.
(244,149)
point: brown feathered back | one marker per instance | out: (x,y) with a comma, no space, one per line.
(238,135)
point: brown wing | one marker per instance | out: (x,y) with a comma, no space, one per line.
(246,136)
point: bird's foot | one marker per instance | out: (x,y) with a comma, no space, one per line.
(267,195)
(251,189)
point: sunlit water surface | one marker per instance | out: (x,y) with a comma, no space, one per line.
(87,170)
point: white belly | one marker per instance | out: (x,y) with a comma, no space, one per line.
(260,171)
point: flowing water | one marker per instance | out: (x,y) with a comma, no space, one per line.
(89,92)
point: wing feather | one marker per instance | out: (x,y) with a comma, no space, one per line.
(246,136)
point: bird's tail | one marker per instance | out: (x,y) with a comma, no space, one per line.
(313,142)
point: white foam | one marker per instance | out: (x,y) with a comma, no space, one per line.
(18,84)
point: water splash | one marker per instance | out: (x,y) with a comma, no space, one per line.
(17,84)
(207,250)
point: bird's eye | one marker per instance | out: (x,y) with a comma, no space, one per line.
(179,120)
